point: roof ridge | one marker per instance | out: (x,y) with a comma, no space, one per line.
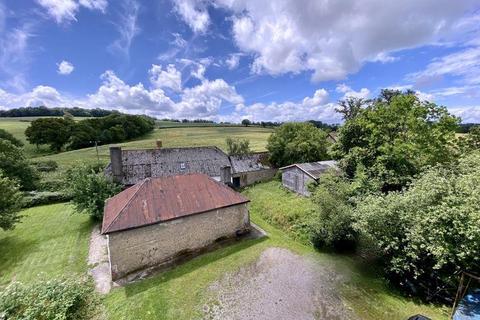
(126,204)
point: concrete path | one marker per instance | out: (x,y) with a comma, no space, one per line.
(279,285)
(98,261)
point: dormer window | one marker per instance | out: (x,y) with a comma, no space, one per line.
(182,166)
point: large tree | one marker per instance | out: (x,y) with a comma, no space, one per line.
(395,138)
(297,142)
(55,132)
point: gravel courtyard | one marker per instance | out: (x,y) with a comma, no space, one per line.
(278,285)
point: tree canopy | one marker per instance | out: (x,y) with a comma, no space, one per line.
(429,232)
(297,142)
(15,166)
(396,137)
(61,132)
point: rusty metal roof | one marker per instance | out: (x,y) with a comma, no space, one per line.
(156,200)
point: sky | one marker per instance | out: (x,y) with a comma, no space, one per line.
(227,60)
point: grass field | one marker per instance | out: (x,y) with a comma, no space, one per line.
(172,137)
(51,239)
(202,135)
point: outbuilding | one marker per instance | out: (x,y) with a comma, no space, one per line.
(160,219)
(298,176)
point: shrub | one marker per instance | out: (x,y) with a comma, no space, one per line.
(333,226)
(59,299)
(89,190)
(45,166)
(8,136)
(10,202)
(429,232)
(237,146)
(15,166)
(44,197)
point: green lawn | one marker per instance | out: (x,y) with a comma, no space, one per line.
(50,239)
(53,240)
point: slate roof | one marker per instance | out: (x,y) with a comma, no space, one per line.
(248,163)
(143,163)
(314,169)
(155,200)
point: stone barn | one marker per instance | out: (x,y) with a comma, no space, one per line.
(131,166)
(297,177)
(251,168)
(159,220)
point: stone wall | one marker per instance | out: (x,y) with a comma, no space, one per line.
(296,180)
(139,248)
(248,178)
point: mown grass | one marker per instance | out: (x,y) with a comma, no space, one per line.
(181,292)
(52,240)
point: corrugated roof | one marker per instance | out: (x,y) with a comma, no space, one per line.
(251,162)
(161,199)
(314,169)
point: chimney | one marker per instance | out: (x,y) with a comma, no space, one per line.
(226,175)
(116,162)
(159,144)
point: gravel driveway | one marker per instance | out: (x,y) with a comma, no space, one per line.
(278,285)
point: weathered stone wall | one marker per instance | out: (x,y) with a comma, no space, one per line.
(248,178)
(152,245)
(296,180)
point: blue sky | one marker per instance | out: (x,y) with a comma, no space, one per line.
(227,60)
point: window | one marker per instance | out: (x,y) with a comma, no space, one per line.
(182,166)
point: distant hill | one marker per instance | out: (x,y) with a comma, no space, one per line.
(54,112)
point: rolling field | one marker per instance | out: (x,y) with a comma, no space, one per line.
(181,136)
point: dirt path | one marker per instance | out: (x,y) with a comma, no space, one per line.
(279,285)
(98,261)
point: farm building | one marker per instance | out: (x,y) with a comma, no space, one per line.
(296,177)
(161,219)
(131,166)
(249,169)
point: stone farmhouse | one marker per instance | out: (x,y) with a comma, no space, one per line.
(129,167)
(158,220)
(297,177)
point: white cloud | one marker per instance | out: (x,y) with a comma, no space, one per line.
(100,5)
(469,114)
(193,13)
(233,61)
(66,10)
(65,67)
(114,93)
(169,77)
(316,107)
(334,38)
(364,93)
(39,96)
(464,64)
(127,27)
(14,57)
